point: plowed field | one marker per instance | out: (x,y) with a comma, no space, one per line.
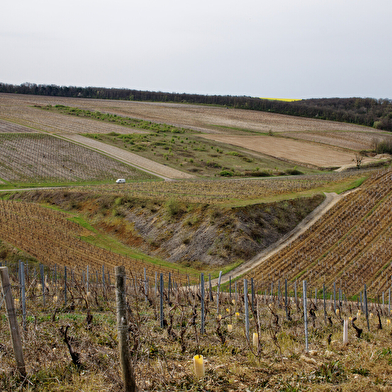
(205,118)
(292,150)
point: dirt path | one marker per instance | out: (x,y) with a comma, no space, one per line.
(330,200)
(134,160)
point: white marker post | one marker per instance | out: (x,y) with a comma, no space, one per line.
(345,331)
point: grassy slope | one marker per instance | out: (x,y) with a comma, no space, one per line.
(235,231)
(191,235)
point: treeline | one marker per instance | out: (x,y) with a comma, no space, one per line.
(371,112)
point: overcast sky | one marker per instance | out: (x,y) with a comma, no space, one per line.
(274,48)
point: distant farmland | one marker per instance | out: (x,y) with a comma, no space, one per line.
(36,158)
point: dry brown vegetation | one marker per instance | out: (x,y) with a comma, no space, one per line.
(162,356)
(192,235)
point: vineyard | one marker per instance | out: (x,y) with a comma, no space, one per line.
(246,341)
(57,123)
(53,239)
(313,315)
(228,190)
(228,149)
(199,117)
(351,244)
(34,158)
(7,127)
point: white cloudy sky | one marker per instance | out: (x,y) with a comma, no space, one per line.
(274,48)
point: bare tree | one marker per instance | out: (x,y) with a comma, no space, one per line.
(358,160)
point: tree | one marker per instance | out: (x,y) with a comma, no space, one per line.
(358,160)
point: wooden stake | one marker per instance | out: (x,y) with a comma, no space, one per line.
(161,286)
(305,316)
(13,322)
(23,293)
(202,302)
(246,309)
(122,327)
(217,292)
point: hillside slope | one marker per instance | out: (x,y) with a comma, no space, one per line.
(351,245)
(190,234)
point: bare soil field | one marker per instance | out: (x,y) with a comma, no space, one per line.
(205,118)
(293,150)
(21,112)
(349,140)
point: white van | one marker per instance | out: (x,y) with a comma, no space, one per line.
(120,181)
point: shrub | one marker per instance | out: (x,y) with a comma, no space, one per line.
(226,173)
(262,173)
(173,207)
(383,146)
(294,172)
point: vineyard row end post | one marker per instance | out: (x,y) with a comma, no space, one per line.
(12,320)
(123,335)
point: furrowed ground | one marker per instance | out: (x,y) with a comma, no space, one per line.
(351,244)
(36,158)
(230,125)
(213,222)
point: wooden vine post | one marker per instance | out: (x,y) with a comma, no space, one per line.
(305,315)
(202,302)
(246,309)
(122,328)
(22,293)
(12,320)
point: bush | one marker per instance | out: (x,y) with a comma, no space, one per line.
(294,172)
(173,207)
(226,173)
(213,164)
(383,146)
(262,173)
